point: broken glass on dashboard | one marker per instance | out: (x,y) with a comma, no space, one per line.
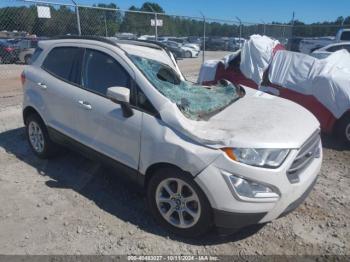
(195,101)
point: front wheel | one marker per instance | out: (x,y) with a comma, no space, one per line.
(178,204)
(343,129)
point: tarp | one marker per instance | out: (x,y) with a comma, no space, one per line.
(209,67)
(328,80)
(256,56)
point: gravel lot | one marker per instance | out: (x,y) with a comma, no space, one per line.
(72,205)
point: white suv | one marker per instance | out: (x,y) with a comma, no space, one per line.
(224,155)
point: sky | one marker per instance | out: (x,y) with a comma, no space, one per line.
(266,11)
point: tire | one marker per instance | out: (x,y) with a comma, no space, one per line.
(27,59)
(38,137)
(163,204)
(343,129)
(188,54)
(1,60)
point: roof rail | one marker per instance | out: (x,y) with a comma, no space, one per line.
(145,43)
(86,37)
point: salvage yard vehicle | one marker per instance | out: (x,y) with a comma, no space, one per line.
(225,155)
(329,49)
(27,47)
(8,52)
(319,85)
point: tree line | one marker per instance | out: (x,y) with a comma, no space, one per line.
(96,21)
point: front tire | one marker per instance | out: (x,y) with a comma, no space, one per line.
(38,137)
(343,129)
(178,204)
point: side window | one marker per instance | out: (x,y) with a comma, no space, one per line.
(345,35)
(347,47)
(334,48)
(101,71)
(143,103)
(64,62)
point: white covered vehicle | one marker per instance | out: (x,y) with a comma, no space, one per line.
(320,85)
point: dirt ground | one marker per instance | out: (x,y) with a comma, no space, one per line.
(72,205)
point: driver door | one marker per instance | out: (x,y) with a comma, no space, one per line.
(102,125)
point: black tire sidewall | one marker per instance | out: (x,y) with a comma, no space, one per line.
(27,59)
(205,221)
(341,128)
(188,54)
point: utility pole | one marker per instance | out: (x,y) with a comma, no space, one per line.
(264,28)
(204,29)
(105,18)
(78,17)
(293,21)
(155,22)
(240,31)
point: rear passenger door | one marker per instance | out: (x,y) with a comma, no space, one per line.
(102,125)
(60,85)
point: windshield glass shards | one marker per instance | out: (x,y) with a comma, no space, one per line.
(195,101)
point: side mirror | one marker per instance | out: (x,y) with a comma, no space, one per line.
(121,95)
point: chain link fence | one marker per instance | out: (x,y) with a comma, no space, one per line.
(24,22)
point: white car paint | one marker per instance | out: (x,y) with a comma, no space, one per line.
(329,49)
(190,49)
(143,140)
(193,46)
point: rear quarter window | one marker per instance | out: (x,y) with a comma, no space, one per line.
(345,35)
(64,62)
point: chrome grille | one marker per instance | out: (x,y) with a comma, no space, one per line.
(307,153)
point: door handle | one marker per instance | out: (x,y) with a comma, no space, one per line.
(42,85)
(85,105)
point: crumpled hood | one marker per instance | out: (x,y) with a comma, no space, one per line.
(257,120)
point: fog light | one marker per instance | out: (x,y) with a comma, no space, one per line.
(251,191)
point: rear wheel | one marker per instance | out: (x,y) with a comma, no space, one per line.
(38,137)
(27,59)
(188,54)
(177,203)
(343,129)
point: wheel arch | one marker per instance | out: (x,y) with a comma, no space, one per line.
(29,110)
(150,171)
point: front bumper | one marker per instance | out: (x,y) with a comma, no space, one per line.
(232,212)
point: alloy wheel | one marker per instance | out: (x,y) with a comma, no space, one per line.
(178,203)
(36,137)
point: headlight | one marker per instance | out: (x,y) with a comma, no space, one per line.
(257,157)
(251,191)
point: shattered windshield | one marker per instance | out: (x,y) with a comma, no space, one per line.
(195,101)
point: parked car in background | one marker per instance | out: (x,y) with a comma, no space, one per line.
(343,35)
(329,49)
(195,47)
(26,49)
(308,45)
(175,48)
(227,156)
(217,44)
(293,44)
(8,52)
(235,43)
(183,51)
(321,86)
